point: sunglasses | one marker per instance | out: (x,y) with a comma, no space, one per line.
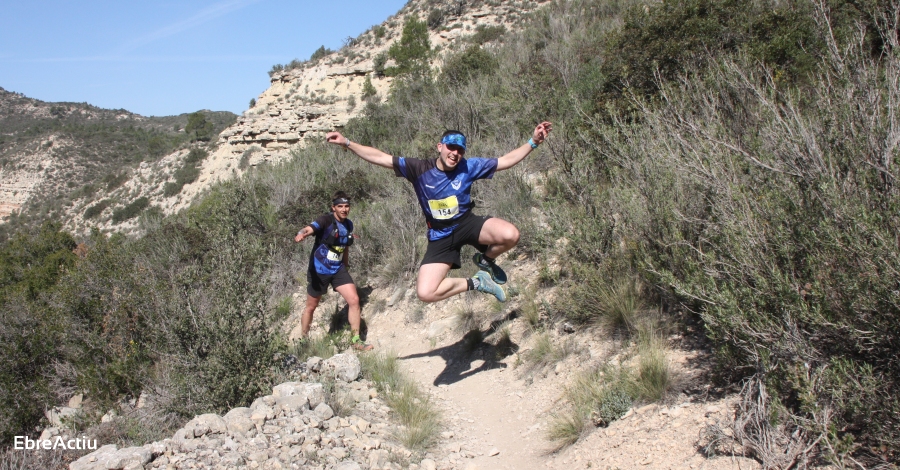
(455,148)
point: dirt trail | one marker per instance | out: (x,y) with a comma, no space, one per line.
(496,413)
(491,415)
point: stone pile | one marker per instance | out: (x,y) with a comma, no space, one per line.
(294,427)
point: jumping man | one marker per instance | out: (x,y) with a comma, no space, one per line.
(442,186)
(328,265)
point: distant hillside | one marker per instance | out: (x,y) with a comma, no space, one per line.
(69,152)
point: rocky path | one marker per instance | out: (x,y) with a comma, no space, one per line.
(497,412)
(491,418)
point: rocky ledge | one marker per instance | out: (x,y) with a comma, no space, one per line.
(294,427)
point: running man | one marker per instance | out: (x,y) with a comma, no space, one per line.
(328,265)
(443,187)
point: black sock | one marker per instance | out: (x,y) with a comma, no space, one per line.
(487,258)
(470,284)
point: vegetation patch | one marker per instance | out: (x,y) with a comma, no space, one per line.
(131,210)
(417,415)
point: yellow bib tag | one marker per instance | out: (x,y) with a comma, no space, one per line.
(444,208)
(335,253)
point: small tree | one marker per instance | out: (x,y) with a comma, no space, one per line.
(378,64)
(413,51)
(368,90)
(435,18)
(199,126)
(276,69)
(320,52)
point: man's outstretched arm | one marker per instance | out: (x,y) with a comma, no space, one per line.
(369,154)
(512,158)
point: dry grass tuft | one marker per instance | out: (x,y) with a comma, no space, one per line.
(419,421)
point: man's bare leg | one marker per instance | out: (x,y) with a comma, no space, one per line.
(433,285)
(500,236)
(306,319)
(348,292)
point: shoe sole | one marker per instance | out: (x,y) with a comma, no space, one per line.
(487,268)
(490,292)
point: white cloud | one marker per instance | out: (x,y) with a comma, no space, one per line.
(207,14)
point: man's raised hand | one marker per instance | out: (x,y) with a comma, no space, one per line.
(541,132)
(335,138)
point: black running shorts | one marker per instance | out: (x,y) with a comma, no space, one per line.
(446,250)
(317,284)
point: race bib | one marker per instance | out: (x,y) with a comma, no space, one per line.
(445,208)
(335,253)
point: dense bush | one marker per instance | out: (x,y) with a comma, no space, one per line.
(435,18)
(130,210)
(31,332)
(96,209)
(484,34)
(321,52)
(470,63)
(199,126)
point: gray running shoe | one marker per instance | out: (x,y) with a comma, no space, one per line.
(497,274)
(488,286)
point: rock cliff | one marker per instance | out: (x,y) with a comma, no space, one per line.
(315,97)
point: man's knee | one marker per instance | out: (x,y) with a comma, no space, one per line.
(509,235)
(425,295)
(513,235)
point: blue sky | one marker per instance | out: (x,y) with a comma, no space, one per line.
(159,58)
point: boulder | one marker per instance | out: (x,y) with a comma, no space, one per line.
(344,367)
(324,412)
(109,458)
(202,425)
(238,420)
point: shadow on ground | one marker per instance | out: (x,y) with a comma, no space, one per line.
(460,355)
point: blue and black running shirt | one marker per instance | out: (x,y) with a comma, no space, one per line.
(332,238)
(444,196)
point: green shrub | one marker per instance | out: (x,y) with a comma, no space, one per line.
(484,34)
(379,63)
(596,397)
(462,67)
(195,156)
(321,52)
(200,126)
(131,210)
(368,89)
(435,18)
(171,189)
(96,209)
(186,175)
(32,333)
(746,202)
(412,52)
(244,163)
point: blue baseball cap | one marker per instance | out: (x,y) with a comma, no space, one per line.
(455,139)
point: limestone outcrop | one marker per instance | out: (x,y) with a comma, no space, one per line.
(305,102)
